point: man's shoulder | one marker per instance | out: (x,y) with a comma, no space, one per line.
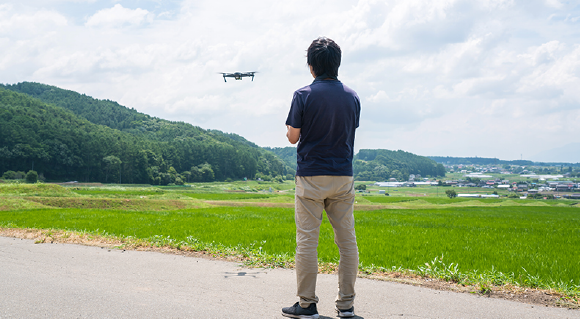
(332,86)
(324,87)
(304,89)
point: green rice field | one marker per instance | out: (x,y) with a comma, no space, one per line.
(534,244)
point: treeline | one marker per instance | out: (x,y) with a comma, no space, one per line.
(378,165)
(381,165)
(54,134)
(449,160)
(286,154)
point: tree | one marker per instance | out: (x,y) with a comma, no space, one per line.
(361,187)
(397,175)
(31,176)
(207,174)
(9,175)
(451,193)
(111,163)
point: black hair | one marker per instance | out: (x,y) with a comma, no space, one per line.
(324,57)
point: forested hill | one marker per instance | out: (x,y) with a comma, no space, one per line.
(286,154)
(116,116)
(69,136)
(449,160)
(378,165)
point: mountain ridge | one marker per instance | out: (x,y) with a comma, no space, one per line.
(153,150)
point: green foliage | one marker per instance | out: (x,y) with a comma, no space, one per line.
(380,165)
(37,189)
(13,175)
(68,136)
(227,196)
(286,154)
(360,187)
(451,193)
(118,192)
(540,196)
(497,245)
(31,176)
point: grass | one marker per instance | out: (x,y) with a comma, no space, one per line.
(38,189)
(462,201)
(227,196)
(520,242)
(115,203)
(474,241)
(118,193)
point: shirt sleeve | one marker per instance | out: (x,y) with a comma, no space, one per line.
(296,111)
(357,111)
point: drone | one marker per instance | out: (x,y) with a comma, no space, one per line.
(237,75)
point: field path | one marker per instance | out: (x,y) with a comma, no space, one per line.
(73,281)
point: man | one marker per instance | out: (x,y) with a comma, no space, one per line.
(323,118)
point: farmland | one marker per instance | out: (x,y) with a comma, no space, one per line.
(530,243)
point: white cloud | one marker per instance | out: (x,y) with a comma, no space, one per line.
(433,76)
(119,16)
(12,22)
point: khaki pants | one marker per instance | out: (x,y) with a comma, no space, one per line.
(335,195)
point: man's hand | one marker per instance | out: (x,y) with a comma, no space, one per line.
(293,134)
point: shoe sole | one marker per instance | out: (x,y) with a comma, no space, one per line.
(301,316)
(344,314)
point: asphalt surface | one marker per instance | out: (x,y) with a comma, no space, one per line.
(72,281)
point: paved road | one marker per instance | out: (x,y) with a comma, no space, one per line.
(72,281)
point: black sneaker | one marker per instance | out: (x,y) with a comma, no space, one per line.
(346,313)
(298,312)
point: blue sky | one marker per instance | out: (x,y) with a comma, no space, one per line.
(488,78)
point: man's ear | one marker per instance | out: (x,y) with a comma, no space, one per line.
(312,71)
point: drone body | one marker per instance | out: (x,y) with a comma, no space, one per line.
(238,75)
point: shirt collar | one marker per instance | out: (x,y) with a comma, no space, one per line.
(324,76)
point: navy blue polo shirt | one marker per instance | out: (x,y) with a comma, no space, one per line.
(327,113)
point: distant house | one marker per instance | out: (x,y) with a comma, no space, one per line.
(572,196)
(522,187)
(563,188)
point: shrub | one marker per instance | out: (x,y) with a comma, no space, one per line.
(31,176)
(361,187)
(178,181)
(13,175)
(451,193)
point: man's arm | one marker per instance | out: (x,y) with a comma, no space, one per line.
(293,134)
